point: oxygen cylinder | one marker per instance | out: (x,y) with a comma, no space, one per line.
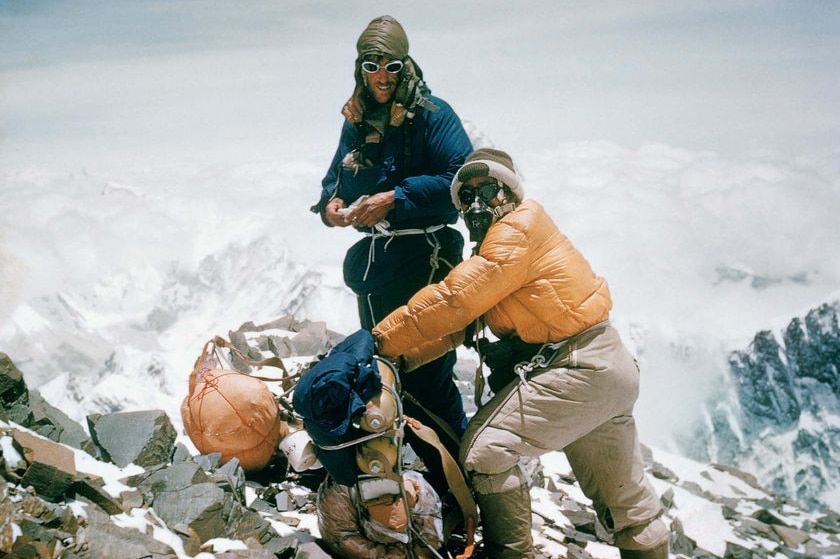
(381,410)
(377,456)
(300,451)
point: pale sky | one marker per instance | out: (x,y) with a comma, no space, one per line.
(229,80)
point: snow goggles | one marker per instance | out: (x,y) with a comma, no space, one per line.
(486,191)
(392,67)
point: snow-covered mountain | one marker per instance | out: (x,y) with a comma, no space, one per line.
(779,415)
(130,340)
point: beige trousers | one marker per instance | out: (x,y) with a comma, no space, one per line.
(583,405)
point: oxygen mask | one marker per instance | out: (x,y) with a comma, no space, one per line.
(477,210)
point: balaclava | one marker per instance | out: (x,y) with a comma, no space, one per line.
(487,162)
(384,36)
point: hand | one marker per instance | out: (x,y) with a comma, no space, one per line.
(497,355)
(333,216)
(499,358)
(372,210)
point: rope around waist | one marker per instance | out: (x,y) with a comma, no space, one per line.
(382,229)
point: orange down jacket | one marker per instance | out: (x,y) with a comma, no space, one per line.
(527,280)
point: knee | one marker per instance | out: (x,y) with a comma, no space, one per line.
(502,482)
(482,452)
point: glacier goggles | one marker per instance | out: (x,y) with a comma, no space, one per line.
(392,67)
(486,191)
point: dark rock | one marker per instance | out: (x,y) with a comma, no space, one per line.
(231,477)
(579,537)
(243,523)
(93,491)
(14,395)
(107,540)
(54,424)
(209,462)
(37,531)
(701,553)
(813,348)
(131,499)
(189,540)
(735,551)
(682,544)
(48,514)
(51,466)
(829,523)
(574,551)
(26,548)
(776,383)
(756,371)
(791,537)
(661,472)
(312,339)
(813,549)
(173,478)
(751,528)
(261,505)
(582,520)
(747,478)
(282,546)
(729,513)
(50,482)
(246,554)
(144,438)
(768,517)
(199,506)
(283,501)
(667,498)
(181,454)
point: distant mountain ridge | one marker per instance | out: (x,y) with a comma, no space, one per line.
(780,417)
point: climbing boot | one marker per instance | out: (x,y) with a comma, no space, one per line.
(506,524)
(660,552)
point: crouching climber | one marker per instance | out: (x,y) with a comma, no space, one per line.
(356,525)
(563,380)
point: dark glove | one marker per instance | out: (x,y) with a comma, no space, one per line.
(469,334)
(498,356)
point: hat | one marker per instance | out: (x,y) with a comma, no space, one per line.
(488,162)
(383,36)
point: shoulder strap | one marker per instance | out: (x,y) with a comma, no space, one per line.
(455,479)
(286,380)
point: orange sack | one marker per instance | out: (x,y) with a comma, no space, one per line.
(231,413)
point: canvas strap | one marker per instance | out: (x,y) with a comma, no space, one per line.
(456,481)
(287,380)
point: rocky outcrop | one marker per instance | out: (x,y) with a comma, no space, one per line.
(175,504)
(782,422)
(27,408)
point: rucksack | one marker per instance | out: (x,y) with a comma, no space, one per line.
(230,412)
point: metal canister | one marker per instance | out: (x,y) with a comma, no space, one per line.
(377,456)
(381,410)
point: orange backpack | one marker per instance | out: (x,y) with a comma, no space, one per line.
(230,412)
